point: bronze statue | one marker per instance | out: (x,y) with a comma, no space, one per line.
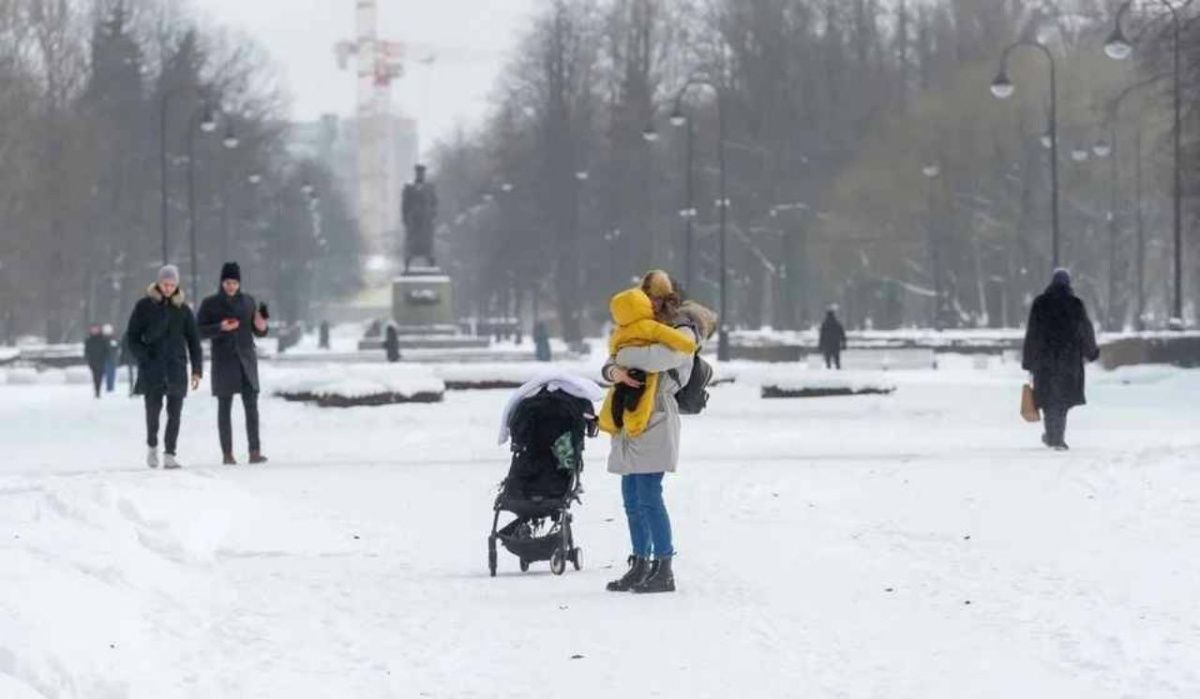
(420,210)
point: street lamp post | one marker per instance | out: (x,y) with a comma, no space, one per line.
(723,353)
(230,142)
(203,119)
(931,172)
(688,212)
(1002,88)
(1112,150)
(1119,48)
(163,109)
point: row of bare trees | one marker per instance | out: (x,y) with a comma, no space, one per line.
(90,93)
(834,111)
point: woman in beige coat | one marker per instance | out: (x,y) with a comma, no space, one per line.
(642,461)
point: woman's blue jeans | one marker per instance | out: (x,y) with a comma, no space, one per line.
(649,524)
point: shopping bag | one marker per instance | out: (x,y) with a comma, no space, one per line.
(1029,409)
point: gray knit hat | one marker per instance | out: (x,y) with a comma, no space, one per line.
(169,273)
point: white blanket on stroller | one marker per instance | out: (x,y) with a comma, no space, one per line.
(555,381)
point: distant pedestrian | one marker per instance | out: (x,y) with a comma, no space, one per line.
(323,335)
(391,343)
(162,335)
(110,361)
(833,340)
(1058,339)
(232,319)
(96,352)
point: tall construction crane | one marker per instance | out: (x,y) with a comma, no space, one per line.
(380,63)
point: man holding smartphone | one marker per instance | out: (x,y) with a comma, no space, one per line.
(232,320)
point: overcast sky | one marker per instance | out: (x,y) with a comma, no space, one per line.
(300,35)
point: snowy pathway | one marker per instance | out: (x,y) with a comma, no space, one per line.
(919,545)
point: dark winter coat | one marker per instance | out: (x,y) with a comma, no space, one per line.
(233,353)
(1058,339)
(97,351)
(162,335)
(833,335)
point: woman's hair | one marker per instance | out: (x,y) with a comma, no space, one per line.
(659,286)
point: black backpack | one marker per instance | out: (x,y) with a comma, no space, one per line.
(693,397)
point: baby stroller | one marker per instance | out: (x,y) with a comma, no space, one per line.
(548,431)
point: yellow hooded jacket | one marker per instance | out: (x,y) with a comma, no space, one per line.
(633,313)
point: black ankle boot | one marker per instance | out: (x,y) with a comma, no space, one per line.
(639,568)
(660,579)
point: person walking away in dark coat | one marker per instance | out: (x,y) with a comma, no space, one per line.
(96,351)
(232,319)
(1058,338)
(162,336)
(833,340)
(110,361)
(391,343)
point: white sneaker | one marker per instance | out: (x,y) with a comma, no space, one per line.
(152,458)
(170,462)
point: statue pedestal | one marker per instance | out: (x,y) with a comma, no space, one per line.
(423,311)
(423,301)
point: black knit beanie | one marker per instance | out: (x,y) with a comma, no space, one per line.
(230,270)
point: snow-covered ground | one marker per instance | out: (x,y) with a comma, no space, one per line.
(917,545)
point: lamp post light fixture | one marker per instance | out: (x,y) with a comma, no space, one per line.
(230,141)
(1080,155)
(1102,149)
(254,178)
(582,175)
(1003,88)
(506,187)
(1118,47)
(650,134)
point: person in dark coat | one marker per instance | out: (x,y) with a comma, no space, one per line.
(391,343)
(1058,338)
(162,336)
(96,352)
(833,340)
(232,319)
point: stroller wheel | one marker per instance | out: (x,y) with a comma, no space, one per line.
(524,566)
(577,558)
(492,557)
(558,562)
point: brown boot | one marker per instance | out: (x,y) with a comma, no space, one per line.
(228,460)
(256,457)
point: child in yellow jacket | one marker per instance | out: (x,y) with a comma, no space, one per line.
(626,408)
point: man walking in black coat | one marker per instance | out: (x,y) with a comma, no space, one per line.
(162,335)
(833,340)
(232,320)
(1058,339)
